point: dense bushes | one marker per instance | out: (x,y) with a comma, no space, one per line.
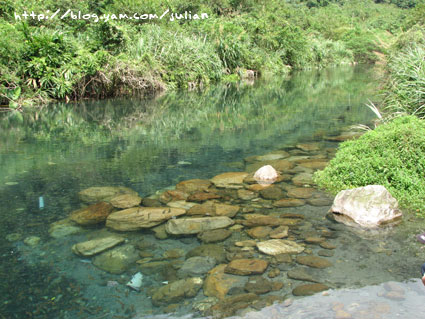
(392,155)
(71,58)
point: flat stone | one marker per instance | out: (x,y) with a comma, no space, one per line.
(210,208)
(244,267)
(301,273)
(272,192)
(232,180)
(327,245)
(126,201)
(301,192)
(93,214)
(273,273)
(181,204)
(258,285)
(314,240)
(319,201)
(200,197)
(229,306)
(63,228)
(218,283)
(174,253)
(302,179)
(246,243)
(279,246)
(136,218)
(32,241)
(309,289)
(177,291)
(96,246)
(289,202)
(160,232)
(173,195)
(259,231)
(315,163)
(325,253)
(309,147)
(196,266)
(151,202)
(279,232)
(193,185)
(313,261)
(196,225)
(261,220)
(218,252)
(216,235)
(245,194)
(116,260)
(104,193)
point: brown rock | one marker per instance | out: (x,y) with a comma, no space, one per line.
(226,210)
(313,261)
(274,273)
(259,231)
(279,232)
(200,197)
(151,202)
(315,163)
(196,225)
(97,194)
(309,289)
(302,179)
(289,202)
(257,187)
(141,217)
(259,285)
(126,201)
(232,180)
(193,185)
(176,291)
(314,240)
(279,246)
(173,195)
(245,267)
(93,214)
(309,147)
(327,245)
(319,201)
(272,192)
(95,246)
(218,283)
(301,192)
(246,194)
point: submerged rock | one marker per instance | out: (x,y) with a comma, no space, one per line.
(279,246)
(300,192)
(126,201)
(95,246)
(232,180)
(313,261)
(93,214)
(211,208)
(141,217)
(212,250)
(117,260)
(245,267)
(309,289)
(196,225)
(301,273)
(32,240)
(105,193)
(215,235)
(272,192)
(63,228)
(370,206)
(193,185)
(196,266)
(177,291)
(259,232)
(289,202)
(218,283)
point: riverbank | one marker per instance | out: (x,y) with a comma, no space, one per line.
(70,59)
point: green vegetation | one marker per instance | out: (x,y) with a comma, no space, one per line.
(70,59)
(392,155)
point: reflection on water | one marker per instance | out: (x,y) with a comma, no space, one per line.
(53,153)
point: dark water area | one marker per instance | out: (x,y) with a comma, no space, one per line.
(52,153)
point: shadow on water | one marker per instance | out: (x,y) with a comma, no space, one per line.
(54,152)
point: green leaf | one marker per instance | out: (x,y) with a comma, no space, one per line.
(14,94)
(13,105)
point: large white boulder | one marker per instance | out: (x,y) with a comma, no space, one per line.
(266,175)
(370,207)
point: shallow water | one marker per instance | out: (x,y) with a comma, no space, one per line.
(149,145)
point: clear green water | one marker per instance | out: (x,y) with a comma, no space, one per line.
(149,145)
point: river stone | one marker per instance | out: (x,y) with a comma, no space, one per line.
(105,193)
(215,235)
(301,273)
(309,289)
(196,266)
(193,185)
(272,192)
(289,202)
(313,261)
(181,204)
(370,207)
(308,147)
(196,225)
(116,260)
(319,201)
(160,232)
(300,192)
(229,306)
(276,155)
(244,267)
(315,163)
(279,232)
(210,208)
(200,197)
(95,246)
(325,253)
(218,283)
(246,243)
(258,285)
(32,241)
(218,252)
(173,195)
(136,218)
(279,246)
(63,228)
(302,179)
(314,240)
(261,220)
(266,175)
(259,231)
(327,245)
(232,180)
(155,267)
(245,194)
(93,214)
(177,291)
(151,202)
(126,201)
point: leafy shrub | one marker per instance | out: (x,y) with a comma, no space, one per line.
(392,155)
